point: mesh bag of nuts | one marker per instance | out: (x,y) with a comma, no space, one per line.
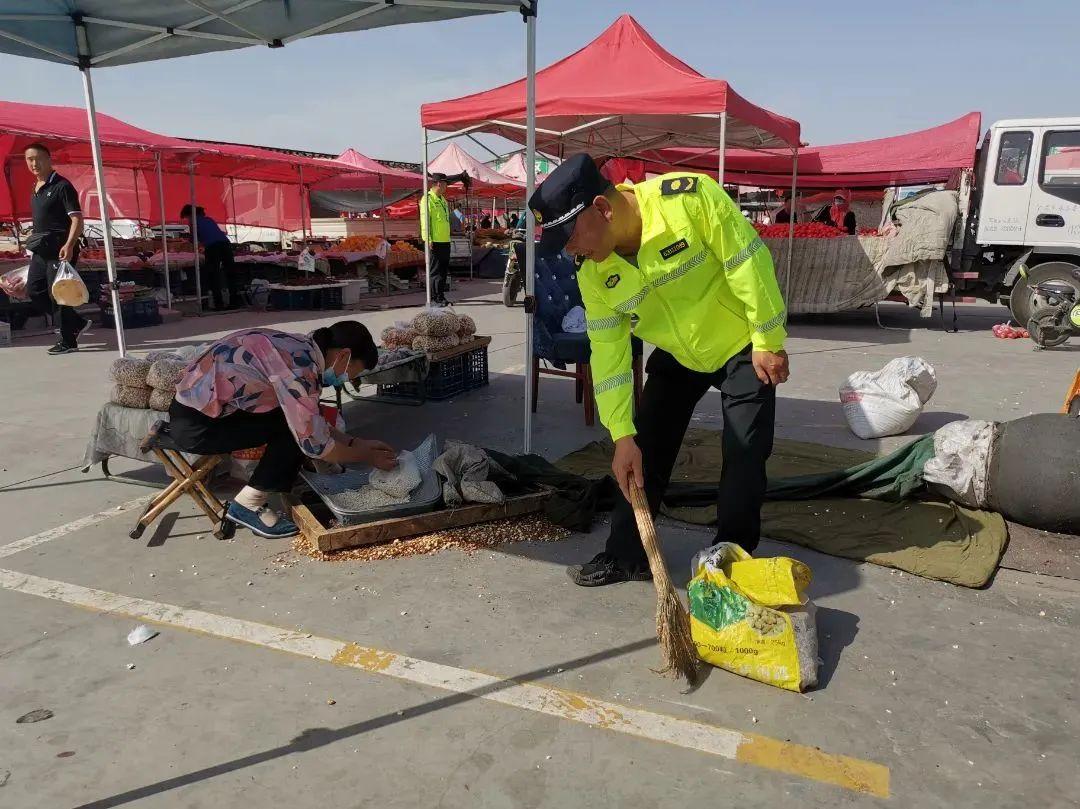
(130,371)
(130,396)
(436,323)
(467,328)
(752,616)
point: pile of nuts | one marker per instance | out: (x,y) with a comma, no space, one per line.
(763,620)
(469,539)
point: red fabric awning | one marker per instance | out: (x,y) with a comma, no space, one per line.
(927,156)
(366,174)
(650,98)
(486,181)
(264,183)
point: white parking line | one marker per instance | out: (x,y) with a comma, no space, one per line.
(75,525)
(763,751)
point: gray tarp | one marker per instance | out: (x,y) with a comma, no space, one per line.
(123,32)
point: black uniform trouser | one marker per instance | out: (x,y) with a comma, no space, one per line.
(218,272)
(440,269)
(276,471)
(667,403)
(39,281)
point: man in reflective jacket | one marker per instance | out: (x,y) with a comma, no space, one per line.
(673,260)
(437,231)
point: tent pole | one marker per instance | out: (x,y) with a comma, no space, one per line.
(791,228)
(722,150)
(195,238)
(382,218)
(235,221)
(303,219)
(530,220)
(425,216)
(164,235)
(14,212)
(138,206)
(99,175)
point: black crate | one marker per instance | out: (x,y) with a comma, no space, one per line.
(136,314)
(330,298)
(446,378)
(293,299)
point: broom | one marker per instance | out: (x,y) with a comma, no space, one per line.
(672,622)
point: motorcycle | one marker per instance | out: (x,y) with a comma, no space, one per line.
(514,276)
(1055,316)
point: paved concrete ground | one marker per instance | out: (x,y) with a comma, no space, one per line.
(966,697)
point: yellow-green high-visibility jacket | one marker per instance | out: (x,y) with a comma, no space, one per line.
(440,218)
(703,289)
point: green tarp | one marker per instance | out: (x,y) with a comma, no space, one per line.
(857,506)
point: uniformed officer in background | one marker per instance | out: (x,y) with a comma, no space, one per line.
(675,253)
(435,229)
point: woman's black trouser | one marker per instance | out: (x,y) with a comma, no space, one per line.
(276,471)
(667,403)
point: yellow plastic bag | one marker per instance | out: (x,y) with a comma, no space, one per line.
(752,617)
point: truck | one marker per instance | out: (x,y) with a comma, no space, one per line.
(1019,222)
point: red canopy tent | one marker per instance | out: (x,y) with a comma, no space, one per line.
(151,176)
(365,174)
(618,95)
(486,182)
(927,156)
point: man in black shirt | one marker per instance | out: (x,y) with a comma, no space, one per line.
(58,223)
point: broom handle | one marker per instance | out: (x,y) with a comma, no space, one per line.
(644,519)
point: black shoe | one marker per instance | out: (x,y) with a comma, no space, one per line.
(62,348)
(604,569)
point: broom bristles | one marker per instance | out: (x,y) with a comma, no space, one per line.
(679,654)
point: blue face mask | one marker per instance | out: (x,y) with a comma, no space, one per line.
(333,379)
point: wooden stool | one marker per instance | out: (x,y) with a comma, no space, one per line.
(186,479)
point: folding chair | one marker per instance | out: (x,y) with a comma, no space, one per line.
(186,479)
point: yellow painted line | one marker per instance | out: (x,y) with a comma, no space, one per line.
(75,525)
(849,773)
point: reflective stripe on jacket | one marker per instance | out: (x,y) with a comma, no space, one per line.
(703,288)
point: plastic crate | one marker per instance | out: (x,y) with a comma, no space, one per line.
(292,299)
(136,314)
(476,368)
(330,298)
(446,378)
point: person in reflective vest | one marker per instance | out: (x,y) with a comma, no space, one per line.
(673,260)
(435,228)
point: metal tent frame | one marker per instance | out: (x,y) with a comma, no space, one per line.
(103,33)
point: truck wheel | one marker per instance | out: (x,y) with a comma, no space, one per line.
(1022,300)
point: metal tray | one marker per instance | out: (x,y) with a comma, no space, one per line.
(425,497)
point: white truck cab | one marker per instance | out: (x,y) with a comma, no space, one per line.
(1024,222)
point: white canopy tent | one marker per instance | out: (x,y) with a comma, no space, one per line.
(104,33)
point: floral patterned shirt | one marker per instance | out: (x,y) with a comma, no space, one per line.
(257,371)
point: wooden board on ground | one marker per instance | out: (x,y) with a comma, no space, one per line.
(351,536)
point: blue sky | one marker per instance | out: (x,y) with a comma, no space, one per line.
(846,70)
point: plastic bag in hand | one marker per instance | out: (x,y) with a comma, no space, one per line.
(68,288)
(14,283)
